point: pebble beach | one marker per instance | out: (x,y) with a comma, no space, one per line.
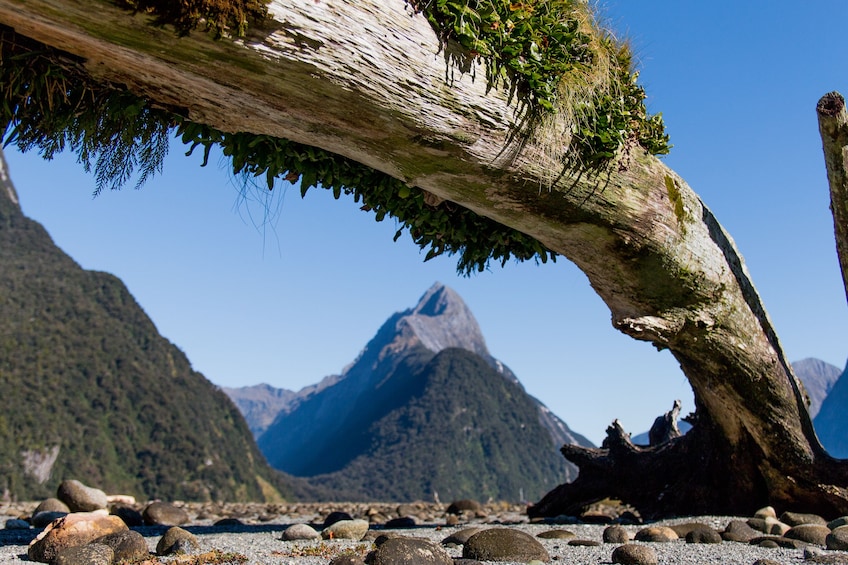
(255,534)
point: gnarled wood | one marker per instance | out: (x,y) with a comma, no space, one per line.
(833,127)
(367,80)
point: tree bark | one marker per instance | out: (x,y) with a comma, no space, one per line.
(367,80)
(833,127)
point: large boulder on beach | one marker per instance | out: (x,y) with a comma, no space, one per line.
(72,530)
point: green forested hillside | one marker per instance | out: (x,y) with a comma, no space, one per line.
(86,378)
(462,430)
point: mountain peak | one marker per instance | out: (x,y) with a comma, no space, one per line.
(7,189)
(442,320)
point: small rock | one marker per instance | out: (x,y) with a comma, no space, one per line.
(739,531)
(228,522)
(841,521)
(504,544)
(300,532)
(797,518)
(635,554)
(177,540)
(828,559)
(127,545)
(346,529)
(81,498)
(656,534)
(703,535)
(683,529)
(758,524)
(51,505)
(556,534)
(17,524)
(409,551)
(765,512)
(460,537)
(403,523)
(768,544)
(766,562)
(584,543)
(838,539)
(122,499)
(90,554)
(810,533)
(776,527)
(43,519)
(164,514)
(336,516)
(346,560)
(616,534)
(128,514)
(464,506)
(73,530)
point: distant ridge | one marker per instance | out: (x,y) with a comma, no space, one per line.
(92,391)
(831,422)
(400,404)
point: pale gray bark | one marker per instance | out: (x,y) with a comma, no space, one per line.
(367,80)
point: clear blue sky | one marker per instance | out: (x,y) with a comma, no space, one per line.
(290,300)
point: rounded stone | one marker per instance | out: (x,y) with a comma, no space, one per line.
(635,554)
(810,533)
(177,540)
(43,519)
(616,534)
(682,530)
(766,512)
(73,530)
(776,527)
(17,524)
(841,521)
(739,531)
(409,551)
(504,544)
(703,535)
(51,505)
(127,545)
(556,534)
(90,554)
(346,529)
(799,518)
(584,543)
(460,537)
(128,514)
(164,514)
(300,532)
(336,516)
(464,506)
(656,534)
(838,539)
(346,560)
(81,498)
(402,523)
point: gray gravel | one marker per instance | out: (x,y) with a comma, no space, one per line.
(261,543)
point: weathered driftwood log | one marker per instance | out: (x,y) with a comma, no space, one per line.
(367,80)
(833,126)
(665,427)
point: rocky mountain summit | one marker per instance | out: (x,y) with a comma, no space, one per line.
(92,390)
(426,404)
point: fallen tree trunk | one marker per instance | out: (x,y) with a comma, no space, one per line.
(367,80)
